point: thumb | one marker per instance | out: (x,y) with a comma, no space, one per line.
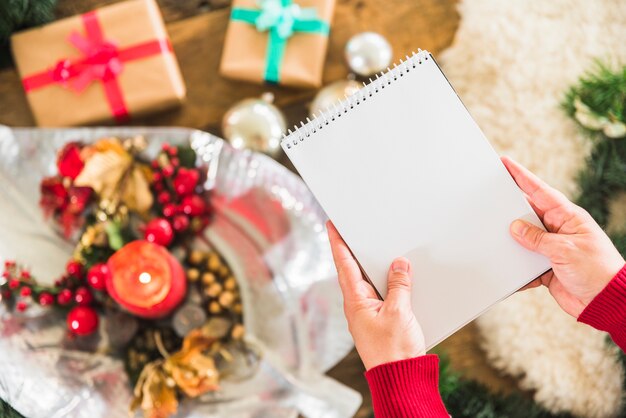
(533,238)
(399,282)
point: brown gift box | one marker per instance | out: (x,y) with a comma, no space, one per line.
(146,84)
(245,49)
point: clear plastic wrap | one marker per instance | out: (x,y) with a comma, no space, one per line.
(270,230)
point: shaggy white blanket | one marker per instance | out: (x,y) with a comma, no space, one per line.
(511,63)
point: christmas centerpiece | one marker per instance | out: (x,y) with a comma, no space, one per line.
(134,220)
(97,225)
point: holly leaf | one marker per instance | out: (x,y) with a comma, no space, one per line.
(114,235)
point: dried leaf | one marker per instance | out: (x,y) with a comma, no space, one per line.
(194,372)
(152,393)
(103,172)
(136,191)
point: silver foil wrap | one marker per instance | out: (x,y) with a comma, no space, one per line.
(270,230)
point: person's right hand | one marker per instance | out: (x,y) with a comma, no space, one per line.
(583,258)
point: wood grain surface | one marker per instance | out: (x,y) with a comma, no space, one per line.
(197,29)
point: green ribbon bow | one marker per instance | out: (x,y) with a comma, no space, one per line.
(281,19)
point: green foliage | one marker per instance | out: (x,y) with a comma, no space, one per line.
(7,412)
(603,90)
(19,14)
(468,399)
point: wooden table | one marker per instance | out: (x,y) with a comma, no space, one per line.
(197,29)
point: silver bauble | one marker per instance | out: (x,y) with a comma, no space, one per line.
(368,53)
(255,124)
(330,94)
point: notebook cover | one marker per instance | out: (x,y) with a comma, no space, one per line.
(407,172)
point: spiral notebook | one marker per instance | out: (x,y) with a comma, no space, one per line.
(402,169)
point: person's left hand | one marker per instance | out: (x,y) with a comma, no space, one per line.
(383,332)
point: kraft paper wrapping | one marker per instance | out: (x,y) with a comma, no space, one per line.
(245,49)
(147,84)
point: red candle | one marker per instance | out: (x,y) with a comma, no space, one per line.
(146,279)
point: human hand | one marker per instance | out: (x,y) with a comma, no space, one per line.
(583,258)
(382,331)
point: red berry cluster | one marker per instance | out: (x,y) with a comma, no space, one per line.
(179,196)
(68,291)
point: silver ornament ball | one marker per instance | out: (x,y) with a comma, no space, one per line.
(255,124)
(368,53)
(330,94)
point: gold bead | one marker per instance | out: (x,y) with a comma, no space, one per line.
(213,262)
(215,307)
(208,278)
(230,283)
(196,257)
(237,332)
(223,271)
(214,290)
(237,308)
(193,274)
(226,299)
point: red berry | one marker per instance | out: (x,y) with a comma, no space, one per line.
(173,151)
(97,276)
(169,210)
(163,197)
(168,170)
(155,164)
(64,297)
(193,205)
(186,181)
(25,274)
(21,306)
(180,223)
(165,146)
(69,161)
(6,274)
(159,231)
(156,176)
(82,320)
(9,264)
(175,162)
(26,291)
(83,296)
(14,284)
(46,299)
(74,268)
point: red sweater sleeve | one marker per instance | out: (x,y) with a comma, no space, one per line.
(407,388)
(607,311)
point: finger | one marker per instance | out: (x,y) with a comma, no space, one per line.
(542,196)
(352,284)
(541,280)
(534,238)
(399,283)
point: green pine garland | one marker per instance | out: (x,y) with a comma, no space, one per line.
(20,14)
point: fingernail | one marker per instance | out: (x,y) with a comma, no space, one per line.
(518,228)
(401,265)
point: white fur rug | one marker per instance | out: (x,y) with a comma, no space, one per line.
(511,62)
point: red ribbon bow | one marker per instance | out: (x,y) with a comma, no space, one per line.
(102,61)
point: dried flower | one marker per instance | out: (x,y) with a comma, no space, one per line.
(154,392)
(194,372)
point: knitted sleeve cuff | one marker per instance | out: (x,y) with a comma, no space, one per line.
(407,388)
(607,311)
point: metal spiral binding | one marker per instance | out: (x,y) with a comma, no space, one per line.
(343,106)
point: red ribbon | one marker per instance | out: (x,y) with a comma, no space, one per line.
(101,61)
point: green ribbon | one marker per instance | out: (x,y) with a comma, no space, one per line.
(281,19)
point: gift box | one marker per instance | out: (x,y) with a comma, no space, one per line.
(110,63)
(277,41)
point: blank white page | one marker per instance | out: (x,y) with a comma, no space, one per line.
(407,172)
